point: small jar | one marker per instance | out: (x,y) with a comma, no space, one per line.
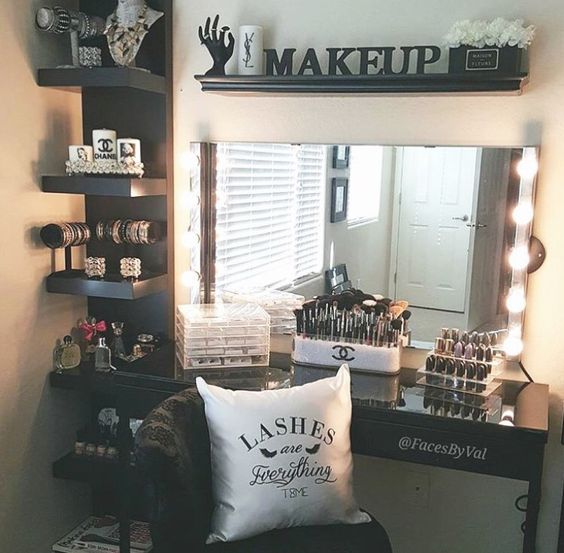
(101,450)
(111,452)
(79,448)
(147,342)
(90,450)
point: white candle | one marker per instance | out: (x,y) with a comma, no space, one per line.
(105,145)
(251,54)
(81,153)
(129,150)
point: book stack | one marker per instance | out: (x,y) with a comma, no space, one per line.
(101,535)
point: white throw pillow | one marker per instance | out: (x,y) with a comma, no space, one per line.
(280,458)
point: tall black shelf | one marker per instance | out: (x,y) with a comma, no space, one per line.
(137,103)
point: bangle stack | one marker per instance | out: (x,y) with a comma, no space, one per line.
(128,231)
(63,235)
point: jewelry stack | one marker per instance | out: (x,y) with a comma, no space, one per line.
(64,235)
(127,231)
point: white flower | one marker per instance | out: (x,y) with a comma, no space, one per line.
(498,32)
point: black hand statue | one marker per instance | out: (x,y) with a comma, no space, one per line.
(214,41)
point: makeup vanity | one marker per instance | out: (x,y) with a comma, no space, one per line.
(446,228)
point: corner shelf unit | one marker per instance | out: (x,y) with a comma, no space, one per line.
(137,103)
(427,84)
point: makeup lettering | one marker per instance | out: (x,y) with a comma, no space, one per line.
(381,60)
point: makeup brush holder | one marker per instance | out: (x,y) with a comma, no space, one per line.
(358,356)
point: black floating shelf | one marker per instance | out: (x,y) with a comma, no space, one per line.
(113,287)
(441,83)
(124,187)
(102,77)
(85,469)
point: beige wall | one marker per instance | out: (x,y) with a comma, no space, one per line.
(37,424)
(536,117)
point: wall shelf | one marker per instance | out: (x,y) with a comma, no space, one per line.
(98,77)
(85,469)
(113,287)
(124,187)
(441,83)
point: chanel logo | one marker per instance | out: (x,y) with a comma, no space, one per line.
(105,145)
(342,353)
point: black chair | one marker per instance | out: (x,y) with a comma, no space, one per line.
(173,452)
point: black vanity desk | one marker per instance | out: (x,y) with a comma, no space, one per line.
(388,422)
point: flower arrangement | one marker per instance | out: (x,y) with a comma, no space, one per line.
(497,33)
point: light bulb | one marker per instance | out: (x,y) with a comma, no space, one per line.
(516,301)
(189,160)
(519,258)
(513,346)
(523,213)
(190,279)
(528,167)
(190,239)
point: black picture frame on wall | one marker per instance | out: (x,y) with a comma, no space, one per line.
(341,156)
(339,199)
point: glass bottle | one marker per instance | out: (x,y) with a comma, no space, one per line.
(67,355)
(118,347)
(102,356)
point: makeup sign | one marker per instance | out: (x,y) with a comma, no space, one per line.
(376,60)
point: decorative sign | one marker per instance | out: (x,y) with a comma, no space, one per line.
(482,59)
(374,61)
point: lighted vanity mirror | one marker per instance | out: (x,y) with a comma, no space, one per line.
(435,226)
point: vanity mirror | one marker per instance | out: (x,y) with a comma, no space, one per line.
(445,228)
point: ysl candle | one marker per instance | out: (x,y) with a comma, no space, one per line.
(81,153)
(251,56)
(105,145)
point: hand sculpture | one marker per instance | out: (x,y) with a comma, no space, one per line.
(214,41)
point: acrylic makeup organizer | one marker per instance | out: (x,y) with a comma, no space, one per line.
(278,304)
(222,336)
(451,366)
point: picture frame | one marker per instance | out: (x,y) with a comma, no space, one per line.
(337,279)
(341,156)
(339,199)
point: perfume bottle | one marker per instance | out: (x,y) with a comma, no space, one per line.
(67,355)
(118,347)
(102,356)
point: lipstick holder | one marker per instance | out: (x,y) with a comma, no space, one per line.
(442,374)
(358,356)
